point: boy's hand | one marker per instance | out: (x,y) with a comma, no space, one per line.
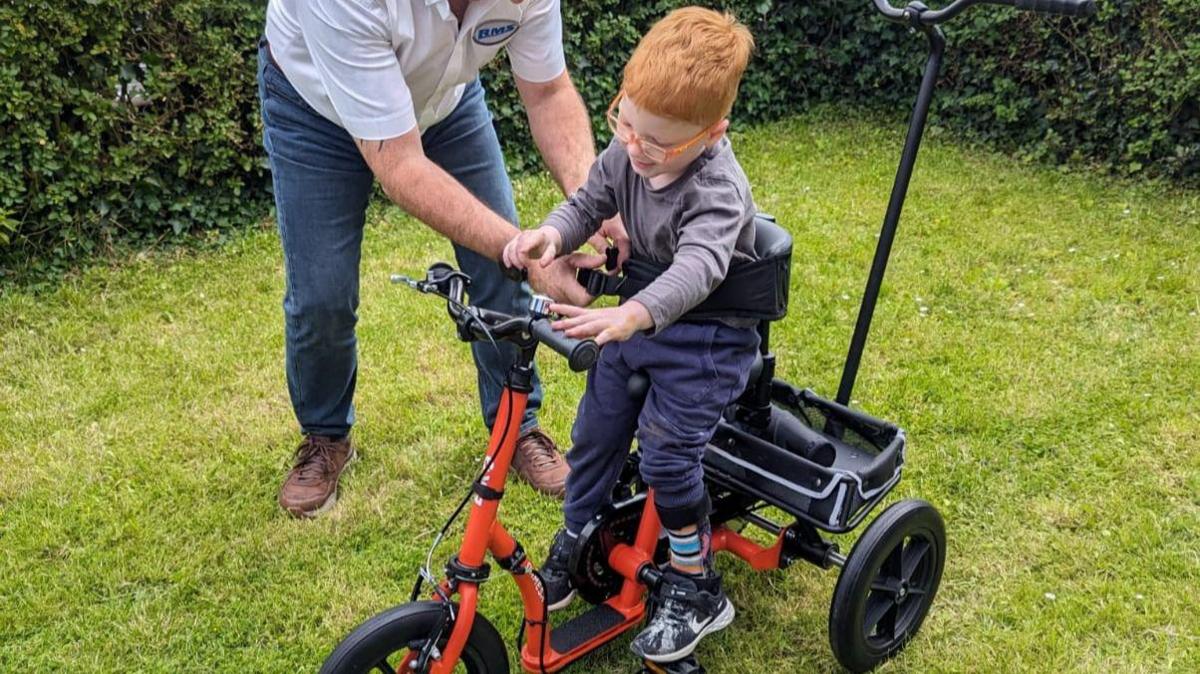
(614,324)
(540,244)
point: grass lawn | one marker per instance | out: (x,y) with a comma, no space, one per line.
(1037,337)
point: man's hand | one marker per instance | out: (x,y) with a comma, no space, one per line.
(558,281)
(612,233)
(614,324)
(540,244)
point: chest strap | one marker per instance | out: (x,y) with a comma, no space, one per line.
(756,290)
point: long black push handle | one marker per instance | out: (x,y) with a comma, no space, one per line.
(917,15)
(1063,7)
(891,219)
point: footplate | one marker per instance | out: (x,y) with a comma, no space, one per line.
(584,627)
(579,636)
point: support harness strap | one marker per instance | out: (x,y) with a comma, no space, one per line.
(757,289)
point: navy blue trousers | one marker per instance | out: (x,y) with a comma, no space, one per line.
(695,370)
(322,187)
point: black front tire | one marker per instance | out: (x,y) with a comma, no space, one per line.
(379,644)
(887,586)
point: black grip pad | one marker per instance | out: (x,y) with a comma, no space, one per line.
(581,354)
(1061,7)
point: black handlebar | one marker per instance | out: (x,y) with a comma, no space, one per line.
(581,354)
(477,323)
(917,12)
(1063,7)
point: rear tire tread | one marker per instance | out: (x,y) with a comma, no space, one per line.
(848,606)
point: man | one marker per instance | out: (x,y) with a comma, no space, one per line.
(354,91)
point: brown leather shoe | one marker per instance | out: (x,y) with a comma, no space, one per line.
(311,487)
(539,463)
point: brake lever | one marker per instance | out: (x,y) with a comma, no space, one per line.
(401,279)
(435,285)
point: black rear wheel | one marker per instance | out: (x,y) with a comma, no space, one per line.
(887,585)
(390,641)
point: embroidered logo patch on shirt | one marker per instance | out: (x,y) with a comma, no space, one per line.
(494,32)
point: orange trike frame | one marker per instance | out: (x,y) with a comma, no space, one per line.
(485,533)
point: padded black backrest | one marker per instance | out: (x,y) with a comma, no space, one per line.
(769,238)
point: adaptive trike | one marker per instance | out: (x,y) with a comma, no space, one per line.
(817,460)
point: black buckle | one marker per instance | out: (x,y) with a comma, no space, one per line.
(598,284)
(587,279)
(611,256)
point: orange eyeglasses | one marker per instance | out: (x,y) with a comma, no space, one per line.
(653,151)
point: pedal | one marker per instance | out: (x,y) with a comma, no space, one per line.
(688,665)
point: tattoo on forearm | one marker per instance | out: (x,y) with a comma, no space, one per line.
(363,144)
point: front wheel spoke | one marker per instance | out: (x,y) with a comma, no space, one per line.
(384,667)
(914,554)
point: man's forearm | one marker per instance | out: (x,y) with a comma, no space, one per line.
(561,130)
(426,192)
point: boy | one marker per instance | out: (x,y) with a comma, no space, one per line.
(671,174)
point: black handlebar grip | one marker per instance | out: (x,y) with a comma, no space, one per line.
(581,354)
(1062,7)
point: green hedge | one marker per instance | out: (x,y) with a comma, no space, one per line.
(1121,89)
(87,164)
(183,157)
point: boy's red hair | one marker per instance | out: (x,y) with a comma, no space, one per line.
(688,66)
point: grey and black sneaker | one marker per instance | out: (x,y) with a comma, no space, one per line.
(556,574)
(688,608)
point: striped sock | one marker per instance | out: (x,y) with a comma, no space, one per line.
(687,551)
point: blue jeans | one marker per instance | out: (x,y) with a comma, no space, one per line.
(322,187)
(695,371)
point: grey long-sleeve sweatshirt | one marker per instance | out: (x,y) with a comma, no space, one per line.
(698,225)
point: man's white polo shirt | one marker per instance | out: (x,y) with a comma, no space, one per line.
(378,68)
